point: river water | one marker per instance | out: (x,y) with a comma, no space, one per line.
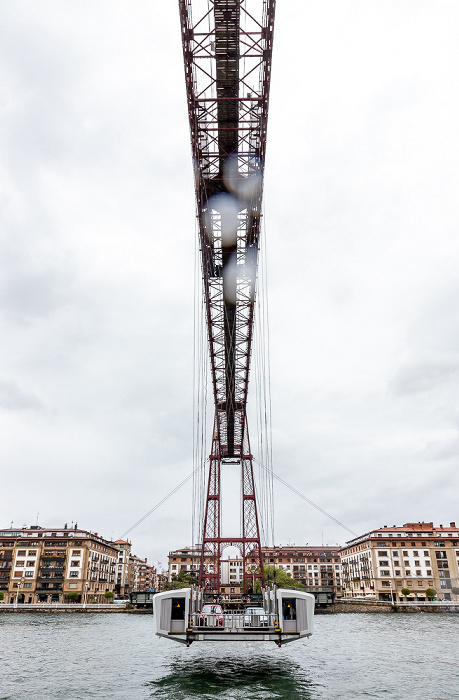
(114,656)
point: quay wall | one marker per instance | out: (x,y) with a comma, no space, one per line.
(373,606)
(58,608)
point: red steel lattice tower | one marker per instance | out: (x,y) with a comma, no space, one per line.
(227,49)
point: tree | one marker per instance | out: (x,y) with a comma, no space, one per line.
(283,580)
(181,580)
(431,593)
(405,591)
(72,597)
(1,595)
(454,590)
(108,595)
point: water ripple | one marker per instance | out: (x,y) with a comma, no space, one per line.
(117,657)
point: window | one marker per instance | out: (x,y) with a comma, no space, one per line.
(32,553)
(441,555)
(397,572)
(418,572)
(19,563)
(429,572)
(408,572)
(74,574)
(417,562)
(27,585)
(420,583)
(405,553)
(30,563)
(395,554)
(426,553)
(382,554)
(383,563)
(385,572)
(72,585)
(76,552)
(75,563)
(21,553)
(28,574)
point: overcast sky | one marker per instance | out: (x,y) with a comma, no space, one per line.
(96,266)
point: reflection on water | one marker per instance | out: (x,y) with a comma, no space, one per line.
(117,657)
(251,676)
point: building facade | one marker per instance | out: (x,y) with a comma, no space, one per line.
(231,575)
(186,560)
(318,568)
(122,567)
(143,574)
(46,565)
(412,557)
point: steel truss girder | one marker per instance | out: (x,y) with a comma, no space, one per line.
(227,49)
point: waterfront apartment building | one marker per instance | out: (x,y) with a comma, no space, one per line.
(122,567)
(186,560)
(45,565)
(318,568)
(143,574)
(414,557)
(132,572)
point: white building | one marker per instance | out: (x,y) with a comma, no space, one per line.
(232,573)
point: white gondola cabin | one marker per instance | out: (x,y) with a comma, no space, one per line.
(185,616)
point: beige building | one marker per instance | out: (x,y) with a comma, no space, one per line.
(45,565)
(132,573)
(122,567)
(318,568)
(187,560)
(143,574)
(415,557)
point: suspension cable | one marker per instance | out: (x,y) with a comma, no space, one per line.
(311,503)
(171,493)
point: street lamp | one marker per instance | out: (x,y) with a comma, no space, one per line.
(86,586)
(17,592)
(391,592)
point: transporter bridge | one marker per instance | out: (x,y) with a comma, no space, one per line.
(227,50)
